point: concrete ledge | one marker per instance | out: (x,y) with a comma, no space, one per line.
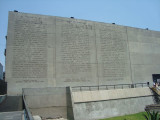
(100,95)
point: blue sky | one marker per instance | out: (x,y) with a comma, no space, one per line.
(135,13)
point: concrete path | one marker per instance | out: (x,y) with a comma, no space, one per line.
(11,103)
(17,115)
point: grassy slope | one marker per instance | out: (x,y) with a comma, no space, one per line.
(138,116)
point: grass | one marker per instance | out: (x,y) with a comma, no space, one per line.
(137,116)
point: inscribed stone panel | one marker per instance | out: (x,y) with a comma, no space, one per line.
(112,54)
(75,52)
(30,41)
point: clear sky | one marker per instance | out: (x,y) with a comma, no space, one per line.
(135,13)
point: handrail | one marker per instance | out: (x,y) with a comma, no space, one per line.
(28,113)
(113,86)
(152,107)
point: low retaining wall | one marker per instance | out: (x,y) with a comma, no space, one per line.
(86,105)
(49,102)
(100,95)
(91,105)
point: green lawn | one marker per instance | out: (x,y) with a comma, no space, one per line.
(138,116)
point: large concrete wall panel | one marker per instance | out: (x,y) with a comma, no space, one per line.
(75,53)
(112,54)
(49,51)
(144,46)
(30,50)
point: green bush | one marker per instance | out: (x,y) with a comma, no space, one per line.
(152,116)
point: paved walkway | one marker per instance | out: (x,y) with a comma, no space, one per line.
(17,115)
(11,103)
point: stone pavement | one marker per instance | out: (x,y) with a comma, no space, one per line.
(17,115)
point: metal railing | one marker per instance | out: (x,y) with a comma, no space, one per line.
(108,87)
(27,113)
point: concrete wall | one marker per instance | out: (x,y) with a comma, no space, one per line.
(49,51)
(101,95)
(91,105)
(111,108)
(144,46)
(49,102)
